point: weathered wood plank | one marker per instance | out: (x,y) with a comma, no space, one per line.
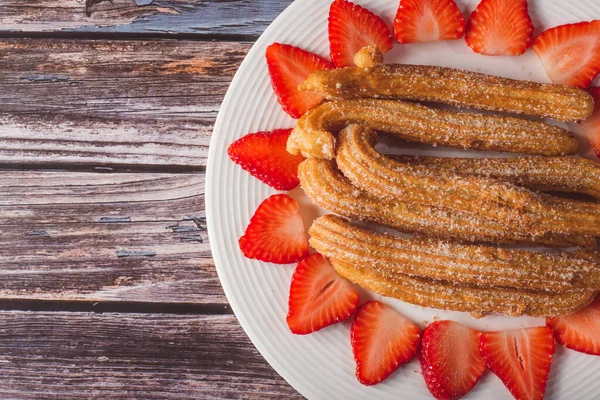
(232,17)
(103,236)
(124,356)
(107,103)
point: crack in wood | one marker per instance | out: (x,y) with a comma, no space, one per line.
(188,229)
(197,239)
(131,307)
(199,220)
(178,228)
(114,219)
(37,233)
(128,253)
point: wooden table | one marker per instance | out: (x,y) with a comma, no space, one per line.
(108,287)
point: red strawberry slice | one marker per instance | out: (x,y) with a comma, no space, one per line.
(570,53)
(428,21)
(500,27)
(276,232)
(450,359)
(263,154)
(382,340)
(521,358)
(591,126)
(352,27)
(319,297)
(580,331)
(288,67)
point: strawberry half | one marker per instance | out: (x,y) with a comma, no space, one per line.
(579,331)
(521,358)
(428,21)
(450,359)
(263,154)
(319,296)
(352,27)
(288,67)
(382,340)
(570,53)
(591,126)
(276,232)
(500,28)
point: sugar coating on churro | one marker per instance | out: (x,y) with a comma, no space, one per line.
(560,174)
(314,134)
(474,265)
(455,87)
(328,188)
(386,178)
(449,296)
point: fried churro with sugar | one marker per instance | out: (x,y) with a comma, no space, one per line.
(556,174)
(314,134)
(329,189)
(440,260)
(477,301)
(517,207)
(455,87)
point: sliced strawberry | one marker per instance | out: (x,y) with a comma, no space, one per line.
(521,358)
(263,154)
(428,21)
(382,340)
(352,27)
(570,53)
(500,28)
(288,67)
(450,359)
(319,297)
(276,232)
(591,126)
(580,331)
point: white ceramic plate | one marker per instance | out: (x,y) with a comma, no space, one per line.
(320,365)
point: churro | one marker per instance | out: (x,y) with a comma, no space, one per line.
(314,134)
(328,188)
(464,264)
(556,174)
(455,87)
(517,207)
(477,301)
(389,179)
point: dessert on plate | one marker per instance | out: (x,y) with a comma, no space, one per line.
(483,233)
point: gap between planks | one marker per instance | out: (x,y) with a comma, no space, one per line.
(58,355)
(105,237)
(125,307)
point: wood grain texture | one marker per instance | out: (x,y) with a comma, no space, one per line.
(111,103)
(202,17)
(126,356)
(93,236)
(130,240)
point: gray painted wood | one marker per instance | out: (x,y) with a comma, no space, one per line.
(202,17)
(130,241)
(57,355)
(99,237)
(107,103)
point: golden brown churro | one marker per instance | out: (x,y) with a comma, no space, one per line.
(313,135)
(388,179)
(455,87)
(557,174)
(478,301)
(328,188)
(385,178)
(479,266)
